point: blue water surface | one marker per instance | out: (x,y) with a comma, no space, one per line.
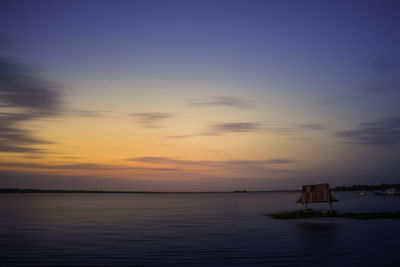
(191,229)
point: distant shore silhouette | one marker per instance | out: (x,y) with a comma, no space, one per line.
(17,190)
(360,187)
(382,186)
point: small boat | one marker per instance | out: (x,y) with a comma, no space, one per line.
(391,191)
(363,193)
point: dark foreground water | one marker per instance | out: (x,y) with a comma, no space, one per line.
(198,229)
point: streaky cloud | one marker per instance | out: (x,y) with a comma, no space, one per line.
(280,161)
(222,101)
(169,160)
(221,128)
(81,166)
(387,76)
(384,132)
(201,182)
(87,113)
(16,139)
(20,88)
(292,128)
(183,136)
(232,127)
(384,64)
(230,168)
(312,126)
(280,129)
(151,119)
(381,86)
(18,149)
(30,98)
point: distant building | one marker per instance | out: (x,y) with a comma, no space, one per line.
(391,191)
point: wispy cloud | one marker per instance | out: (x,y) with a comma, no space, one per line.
(160,173)
(208,163)
(87,113)
(81,166)
(182,136)
(384,132)
(312,126)
(387,77)
(151,119)
(167,160)
(292,128)
(16,139)
(229,168)
(222,101)
(30,98)
(221,128)
(384,64)
(280,161)
(19,87)
(381,86)
(232,127)
(200,182)
(279,128)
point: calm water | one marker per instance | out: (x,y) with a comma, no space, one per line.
(203,229)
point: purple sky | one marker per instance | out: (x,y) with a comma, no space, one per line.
(312,86)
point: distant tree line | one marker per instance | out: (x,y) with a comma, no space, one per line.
(16,190)
(360,187)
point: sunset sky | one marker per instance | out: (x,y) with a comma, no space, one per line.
(198,95)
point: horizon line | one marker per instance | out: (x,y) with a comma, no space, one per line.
(31,190)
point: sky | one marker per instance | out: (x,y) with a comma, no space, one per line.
(198,95)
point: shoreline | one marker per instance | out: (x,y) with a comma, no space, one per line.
(23,191)
(299,214)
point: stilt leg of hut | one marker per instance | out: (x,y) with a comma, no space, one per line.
(330,207)
(305,207)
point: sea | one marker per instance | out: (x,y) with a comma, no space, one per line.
(192,229)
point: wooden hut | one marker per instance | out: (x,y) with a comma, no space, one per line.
(316,193)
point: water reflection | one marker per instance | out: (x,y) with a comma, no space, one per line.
(319,239)
(182,230)
(318,231)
